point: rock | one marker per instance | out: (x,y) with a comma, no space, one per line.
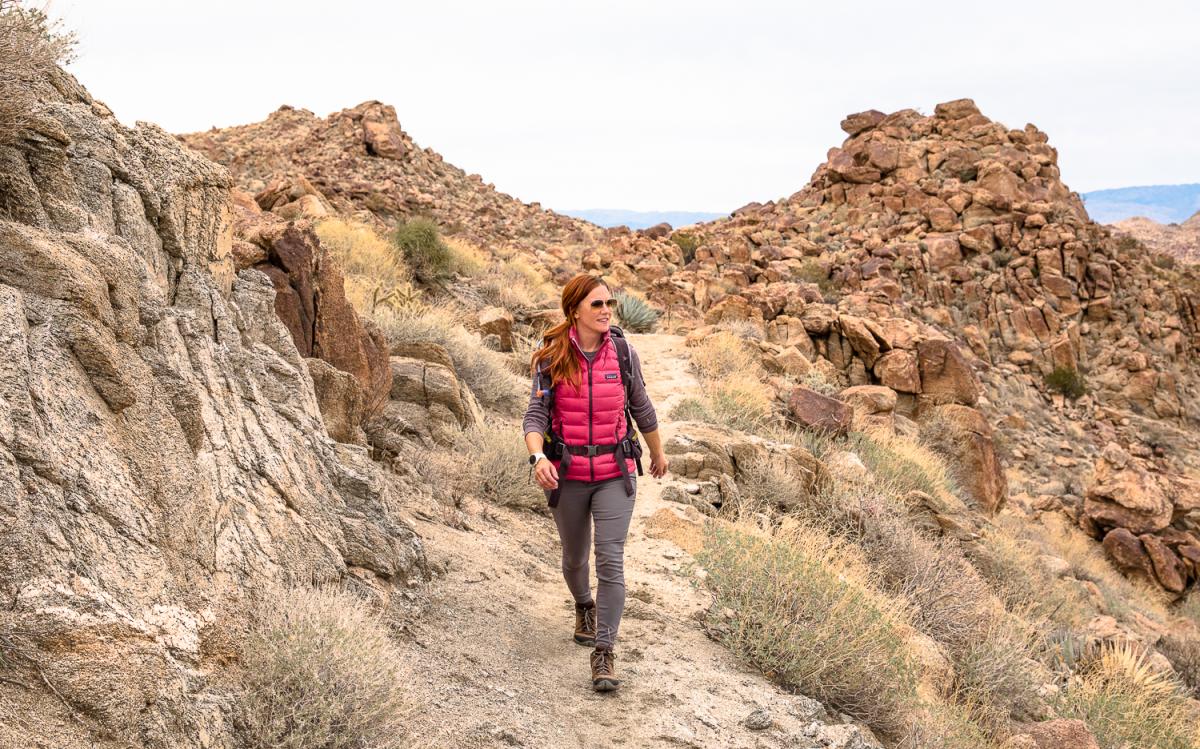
(857,123)
(1167,567)
(497,321)
(1127,552)
(758,720)
(817,412)
(341,400)
(163,451)
(974,454)
(945,375)
(658,231)
(1121,493)
(898,370)
(1061,733)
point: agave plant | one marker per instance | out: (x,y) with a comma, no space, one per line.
(635,313)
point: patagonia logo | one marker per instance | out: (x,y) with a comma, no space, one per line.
(611,376)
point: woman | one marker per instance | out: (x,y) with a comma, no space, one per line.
(594,480)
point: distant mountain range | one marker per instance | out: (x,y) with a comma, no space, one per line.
(1166,204)
(640,219)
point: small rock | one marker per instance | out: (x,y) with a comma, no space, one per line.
(759,720)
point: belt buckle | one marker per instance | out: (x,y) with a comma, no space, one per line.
(591,451)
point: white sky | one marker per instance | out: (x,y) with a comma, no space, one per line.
(663,105)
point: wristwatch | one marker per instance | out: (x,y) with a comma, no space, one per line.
(533,459)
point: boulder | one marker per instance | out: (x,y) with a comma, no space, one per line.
(973,454)
(497,321)
(1122,494)
(946,377)
(1168,569)
(817,412)
(1127,552)
(899,370)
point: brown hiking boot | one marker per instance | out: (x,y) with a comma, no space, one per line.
(604,674)
(585,624)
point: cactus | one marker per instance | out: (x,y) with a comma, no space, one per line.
(636,314)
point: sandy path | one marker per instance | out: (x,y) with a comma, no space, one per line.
(494,663)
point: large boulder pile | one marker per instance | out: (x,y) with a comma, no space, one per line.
(162,447)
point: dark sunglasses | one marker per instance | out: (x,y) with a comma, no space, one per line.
(598,303)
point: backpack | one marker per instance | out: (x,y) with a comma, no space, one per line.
(552,443)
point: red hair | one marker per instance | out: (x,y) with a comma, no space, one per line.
(564,366)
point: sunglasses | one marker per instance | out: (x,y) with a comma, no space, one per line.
(598,303)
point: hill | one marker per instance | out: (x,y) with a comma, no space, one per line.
(1165,204)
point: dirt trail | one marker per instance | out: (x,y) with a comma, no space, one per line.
(494,663)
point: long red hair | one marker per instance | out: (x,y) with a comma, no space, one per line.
(564,366)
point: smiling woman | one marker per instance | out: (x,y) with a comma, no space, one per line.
(587,392)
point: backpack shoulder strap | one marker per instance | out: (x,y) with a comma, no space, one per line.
(623,358)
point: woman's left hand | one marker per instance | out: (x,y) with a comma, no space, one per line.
(658,464)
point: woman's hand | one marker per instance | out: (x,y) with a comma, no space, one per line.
(546,473)
(658,464)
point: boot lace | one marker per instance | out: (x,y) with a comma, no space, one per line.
(602,661)
(589,619)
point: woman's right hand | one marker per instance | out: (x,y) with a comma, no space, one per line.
(546,473)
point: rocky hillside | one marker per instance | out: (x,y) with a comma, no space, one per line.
(1180,241)
(954,228)
(359,160)
(163,455)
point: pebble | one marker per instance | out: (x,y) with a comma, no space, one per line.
(758,720)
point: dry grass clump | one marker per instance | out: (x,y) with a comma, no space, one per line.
(485,371)
(31,47)
(724,354)
(375,274)
(945,726)
(494,467)
(729,402)
(1088,562)
(803,612)
(515,283)
(1127,703)
(1024,584)
(900,465)
(319,671)
(1189,608)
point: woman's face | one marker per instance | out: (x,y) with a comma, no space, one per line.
(594,313)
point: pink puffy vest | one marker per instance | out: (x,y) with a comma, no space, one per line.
(592,418)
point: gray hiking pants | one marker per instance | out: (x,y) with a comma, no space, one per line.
(611,508)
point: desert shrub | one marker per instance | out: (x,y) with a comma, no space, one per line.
(1189,608)
(31,47)
(723,354)
(766,486)
(485,371)
(375,274)
(431,258)
(944,726)
(803,613)
(514,283)
(1163,260)
(744,329)
(1067,381)
(1127,703)
(733,401)
(319,671)
(1184,655)
(816,380)
(687,244)
(635,312)
(812,271)
(494,466)
(1127,243)
(901,465)
(1011,566)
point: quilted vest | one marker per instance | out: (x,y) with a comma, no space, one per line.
(594,413)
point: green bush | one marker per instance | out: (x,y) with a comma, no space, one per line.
(635,313)
(1067,381)
(320,672)
(687,244)
(812,271)
(426,253)
(801,614)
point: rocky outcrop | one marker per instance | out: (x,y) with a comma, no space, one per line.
(162,448)
(1172,242)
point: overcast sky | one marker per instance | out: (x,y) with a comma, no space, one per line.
(663,105)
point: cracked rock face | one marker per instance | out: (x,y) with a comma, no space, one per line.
(162,451)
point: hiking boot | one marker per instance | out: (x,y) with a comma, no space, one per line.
(585,624)
(604,674)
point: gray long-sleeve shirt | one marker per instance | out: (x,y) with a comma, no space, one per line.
(537,416)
